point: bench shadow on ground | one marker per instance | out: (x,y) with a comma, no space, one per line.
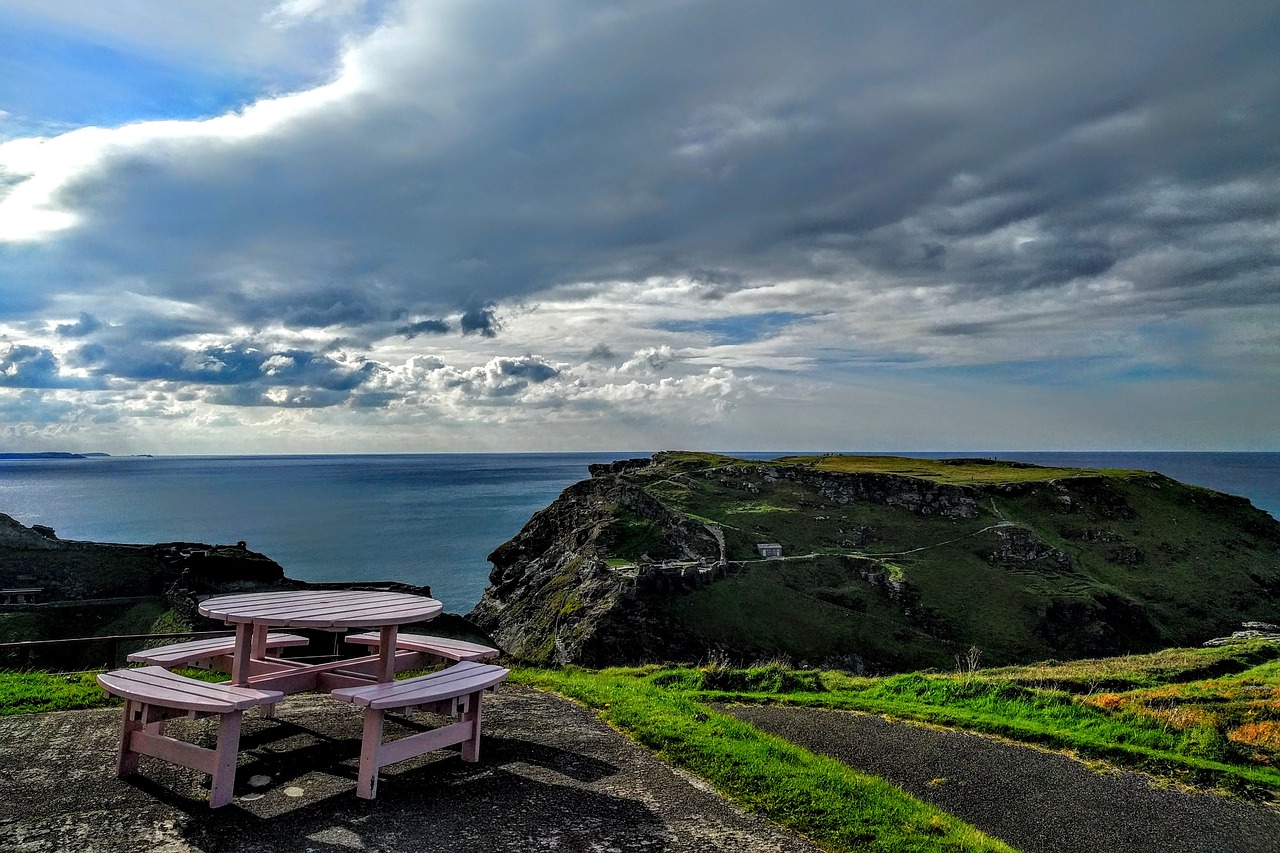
(520,796)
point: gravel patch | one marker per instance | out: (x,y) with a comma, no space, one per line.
(1031,799)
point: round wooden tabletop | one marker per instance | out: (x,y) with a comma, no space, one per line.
(322,608)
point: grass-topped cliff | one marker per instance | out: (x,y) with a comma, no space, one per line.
(888,563)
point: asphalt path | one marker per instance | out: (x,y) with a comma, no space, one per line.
(1035,800)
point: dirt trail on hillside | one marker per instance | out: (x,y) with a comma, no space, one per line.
(1034,800)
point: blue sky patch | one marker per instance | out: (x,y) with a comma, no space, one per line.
(52,78)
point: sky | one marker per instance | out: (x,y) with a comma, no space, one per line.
(380,226)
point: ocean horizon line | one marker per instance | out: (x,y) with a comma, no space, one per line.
(17,455)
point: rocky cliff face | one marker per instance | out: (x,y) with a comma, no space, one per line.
(655,560)
(561,591)
(68,570)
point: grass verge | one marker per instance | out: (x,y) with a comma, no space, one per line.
(37,692)
(820,798)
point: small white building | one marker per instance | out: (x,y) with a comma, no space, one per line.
(769,549)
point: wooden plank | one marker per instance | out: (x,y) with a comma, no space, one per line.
(323,608)
(471,719)
(387,652)
(330,681)
(459,679)
(445,647)
(306,677)
(173,751)
(243,655)
(319,603)
(180,653)
(423,742)
(154,685)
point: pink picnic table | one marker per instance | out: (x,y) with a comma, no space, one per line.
(255,613)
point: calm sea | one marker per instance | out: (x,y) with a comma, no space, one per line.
(421,519)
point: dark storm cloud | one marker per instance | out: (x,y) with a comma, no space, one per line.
(423,327)
(28,367)
(480,321)
(86,355)
(25,366)
(850,126)
(526,368)
(82,327)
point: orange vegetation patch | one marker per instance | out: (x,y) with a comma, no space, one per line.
(1186,716)
(1109,702)
(1265,734)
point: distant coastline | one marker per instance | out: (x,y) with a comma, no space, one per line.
(49,455)
(62,454)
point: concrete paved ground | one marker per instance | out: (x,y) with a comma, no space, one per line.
(1035,800)
(550,777)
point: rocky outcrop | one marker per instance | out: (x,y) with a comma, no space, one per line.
(559,593)
(918,496)
(14,534)
(70,570)
(1098,626)
(1248,632)
(1021,550)
(620,466)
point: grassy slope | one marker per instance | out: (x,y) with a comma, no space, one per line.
(1210,717)
(1191,566)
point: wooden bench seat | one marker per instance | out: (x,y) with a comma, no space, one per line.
(153,694)
(206,651)
(455,692)
(445,648)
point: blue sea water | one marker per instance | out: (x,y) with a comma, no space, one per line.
(422,519)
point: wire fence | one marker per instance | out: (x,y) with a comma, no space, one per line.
(83,653)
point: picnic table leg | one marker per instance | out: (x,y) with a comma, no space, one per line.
(242,655)
(127,759)
(471,716)
(371,743)
(260,642)
(224,760)
(261,652)
(387,653)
